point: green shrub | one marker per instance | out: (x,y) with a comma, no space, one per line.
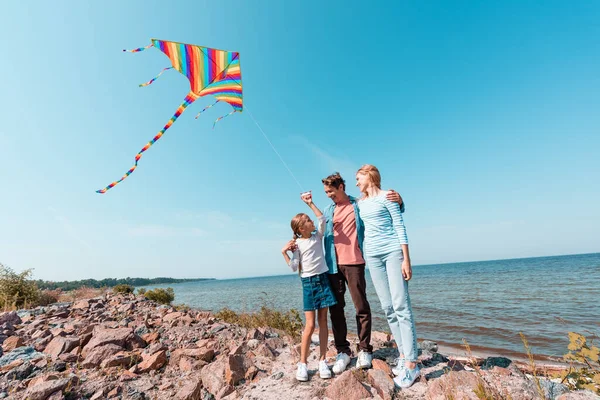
(123,288)
(584,363)
(17,290)
(141,291)
(162,296)
(289,322)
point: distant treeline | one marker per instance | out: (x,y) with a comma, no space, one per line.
(110,282)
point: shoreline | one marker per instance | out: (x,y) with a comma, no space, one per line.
(124,346)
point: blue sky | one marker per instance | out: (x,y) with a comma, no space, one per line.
(483,115)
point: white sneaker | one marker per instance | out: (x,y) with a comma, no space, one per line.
(341,362)
(302,372)
(408,377)
(324,370)
(400,365)
(364,360)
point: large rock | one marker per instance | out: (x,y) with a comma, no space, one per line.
(120,359)
(43,390)
(382,365)
(382,382)
(153,362)
(203,354)
(98,354)
(213,376)
(11,343)
(347,387)
(60,345)
(123,337)
(452,385)
(172,316)
(236,368)
(11,317)
(81,305)
(190,391)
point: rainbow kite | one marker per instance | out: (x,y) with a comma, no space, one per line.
(210,72)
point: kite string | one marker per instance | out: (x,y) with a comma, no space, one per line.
(273,147)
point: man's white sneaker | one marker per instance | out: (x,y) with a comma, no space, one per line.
(397,370)
(302,372)
(408,377)
(364,360)
(324,370)
(341,362)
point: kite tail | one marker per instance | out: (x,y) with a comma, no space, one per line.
(206,108)
(189,99)
(155,78)
(220,118)
(139,49)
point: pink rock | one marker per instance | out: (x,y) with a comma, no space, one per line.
(265,351)
(225,392)
(98,354)
(347,387)
(60,345)
(43,390)
(235,369)
(172,316)
(68,357)
(203,354)
(382,382)
(153,362)
(58,332)
(123,337)
(190,391)
(81,305)
(11,343)
(213,376)
(187,364)
(151,337)
(40,333)
(237,349)
(456,383)
(56,396)
(382,365)
(120,359)
(380,336)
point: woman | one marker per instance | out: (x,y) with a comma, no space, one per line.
(386,254)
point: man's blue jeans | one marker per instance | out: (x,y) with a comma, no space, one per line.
(392,290)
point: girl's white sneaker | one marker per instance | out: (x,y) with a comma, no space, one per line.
(324,370)
(302,372)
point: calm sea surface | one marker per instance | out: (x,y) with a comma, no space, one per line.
(487,303)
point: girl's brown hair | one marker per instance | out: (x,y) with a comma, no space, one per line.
(296,223)
(373,173)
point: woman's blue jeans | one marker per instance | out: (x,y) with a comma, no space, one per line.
(392,290)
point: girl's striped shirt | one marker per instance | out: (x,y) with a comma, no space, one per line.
(384,227)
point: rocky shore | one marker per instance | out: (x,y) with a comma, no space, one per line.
(127,347)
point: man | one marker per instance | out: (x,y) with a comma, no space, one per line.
(344,234)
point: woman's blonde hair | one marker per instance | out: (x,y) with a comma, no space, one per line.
(372,173)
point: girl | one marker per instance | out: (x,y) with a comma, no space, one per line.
(386,253)
(308,259)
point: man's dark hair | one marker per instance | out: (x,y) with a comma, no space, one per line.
(334,180)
